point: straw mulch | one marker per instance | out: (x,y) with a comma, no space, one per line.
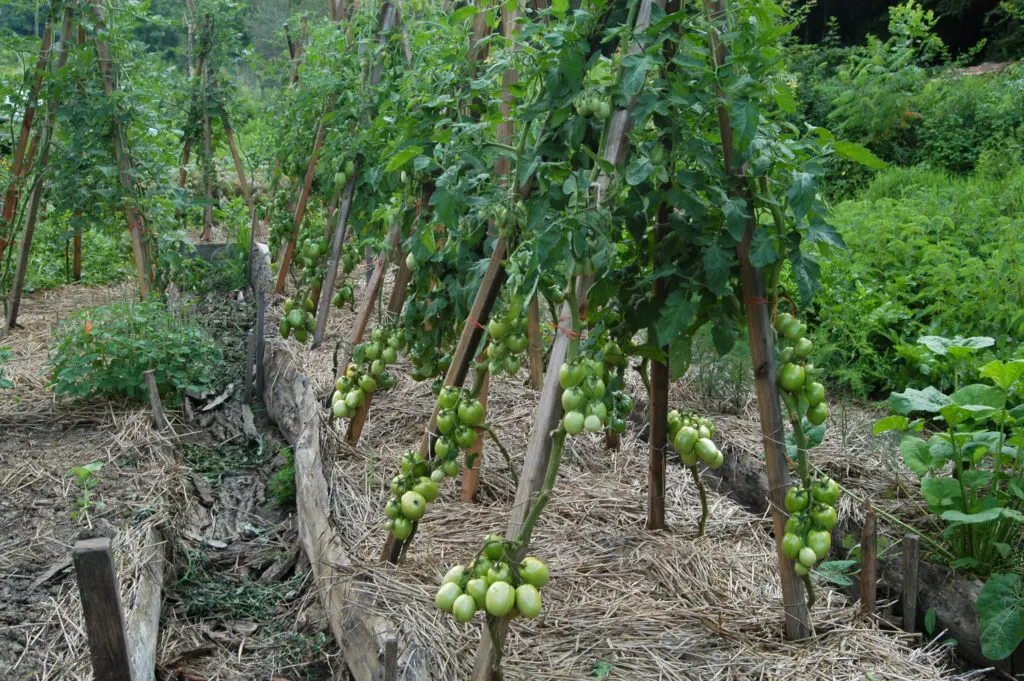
(624,603)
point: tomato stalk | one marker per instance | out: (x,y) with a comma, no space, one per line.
(471,459)
(703,499)
(803,468)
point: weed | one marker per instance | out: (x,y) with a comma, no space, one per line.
(282,483)
(86,477)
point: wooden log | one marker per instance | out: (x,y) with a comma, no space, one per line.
(101,607)
(132,215)
(535,345)
(144,618)
(911,563)
(155,403)
(471,476)
(18,166)
(869,564)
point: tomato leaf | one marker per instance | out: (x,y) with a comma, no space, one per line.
(462,13)
(716,269)
(639,169)
(736,217)
(402,157)
(744,117)
(762,248)
(801,194)
(807,271)
(676,316)
(680,355)
(634,73)
(858,154)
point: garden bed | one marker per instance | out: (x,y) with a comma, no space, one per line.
(623,602)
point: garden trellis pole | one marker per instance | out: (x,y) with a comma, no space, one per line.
(762,351)
(18,164)
(549,410)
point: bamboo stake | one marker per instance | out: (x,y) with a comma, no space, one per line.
(762,351)
(911,563)
(18,169)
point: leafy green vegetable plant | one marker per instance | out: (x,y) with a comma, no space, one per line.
(86,478)
(104,351)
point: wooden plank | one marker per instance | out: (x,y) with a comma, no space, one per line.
(535,345)
(869,564)
(911,563)
(144,618)
(156,405)
(101,607)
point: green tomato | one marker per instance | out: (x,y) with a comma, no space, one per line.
(792,377)
(464,608)
(528,600)
(820,542)
(437,475)
(685,439)
(499,572)
(446,596)
(517,343)
(427,489)
(341,410)
(494,546)
(534,571)
(445,421)
(285,328)
(393,509)
(512,364)
(573,399)
(497,329)
(826,490)
(297,318)
(570,376)
(451,467)
(454,575)
(807,557)
(786,355)
(706,450)
(354,399)
(599,410)
(373,350)
(410,262)
(497,351)
(798,523)
(401,528)
(791,545)
(389,355)
(617,425)
(499,599)
(471,412)
(792,330)
(800,569)
(824,516)
(465,437)
(481,566)
(802,348)
(594,387)
(782,319)
(797,499)
(817,414)
(442,446)
(574,422)
(592,423)
(477,588)
(367,384)
(815,393)
(413,505)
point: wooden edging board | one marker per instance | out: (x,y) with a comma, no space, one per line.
(362,635)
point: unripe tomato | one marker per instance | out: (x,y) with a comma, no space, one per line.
(802,348)
(410,262)
(512,364)
(497,351)
(817,414)
(389,355)
(706,450)
(446,596)
(675,420)
(285,328)
(528,600)
(442,446)
(448,397)
(367,384)
(791,377)
(398,487)
(574,422)
(572,399)
(786,355)
(791,545)
(350,167)
(797,499)
(451,467)
(296,318)
(798,523)
(372,350)
(401,528)
(569,376)
(480,568)
(517,343)
(497,329)
(494,546)
(454,575)
(617,425)
(471,412)
(534,571)
(815,393)
(826,490)
(717,461)
(427,489)
(594,387)
(465,437)
(500,599)
(782,319)
(437,475)
(807,557)
(824,516)
(793,330)
(341,410)
(445,421)
(413,505)
(354,399)
(499,572)
(464,608)
(477,588)
(393,509)
(800,569)
(592,423)
(599,410)
(820,542)
(688,458)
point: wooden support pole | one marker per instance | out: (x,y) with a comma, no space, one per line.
(76,262)
(101,607)
(370,296)
(144,618)
(18,165)
(358,420)
(132,215)
(243,184)
(869,564)
(762,353)
(658,437)
(535,345)
(186,155)
(337,243)
(155,404)
(471,476)
(911,563)
(400,288)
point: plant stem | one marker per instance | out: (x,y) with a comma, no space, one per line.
(703,499)
(800,438)
(541,500)
(486,427)
(809,585)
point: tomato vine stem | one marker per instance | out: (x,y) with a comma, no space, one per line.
(487,428)
(702,492)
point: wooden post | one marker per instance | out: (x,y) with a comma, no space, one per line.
(390,659)
(337,243)
(358,420)
(658,437)
(536,347)
(762,353)
(398,291)
(18,166)
(869,564)
(159,418)
(144,618)
(209,172)
(911,563)
(101,607)
(132,215)
(76,262)
(471,476)
(370,296)
(243,184)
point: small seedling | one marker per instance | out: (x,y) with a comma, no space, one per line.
(86,478)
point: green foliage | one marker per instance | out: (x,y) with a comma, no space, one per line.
(1000,607)
(86,477)
(105,250)
(5,357)
(103,352)
(282,482)
(929,255)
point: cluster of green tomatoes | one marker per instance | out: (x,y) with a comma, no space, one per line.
(349,260)
(796,374)
(298,317)
(351,389)
(491,584)
(588,403)
(508,339)
(808,537)
(593,102)
(343,173)
(691,436)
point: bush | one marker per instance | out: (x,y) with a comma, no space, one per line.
(103,352)
(929,254)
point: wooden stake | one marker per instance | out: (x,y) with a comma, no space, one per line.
(132,215)
(101,607)
(358,420)
(370,296)
(400,288)
(762,353)
(243,184)
(337,243)
(658,436)
(76,263)
(471,476)
(536,346)
(869,564)
(391,659)
(144,619)
(155,404)
(18,166)
(911,563)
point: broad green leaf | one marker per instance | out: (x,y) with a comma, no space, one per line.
(1000,607)
(638,170)
(676,316)
(894,422)
(402,157)
(940,346)
(858,154)
(680,354)
(735,217)
(1004,374)
(762,249)
(910,400)
(784,98)
(634,73)
(955,414)
(716,269)
(807,273)
(1017,487)
(987,516)
(917,455)
(559,8)
(975,478)
(801,194)
(980,395)
(744,117)
(463,13)
(427,239)
(941,493)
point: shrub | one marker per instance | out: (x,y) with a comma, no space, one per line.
(103,352)
(282,483)
(928,254)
